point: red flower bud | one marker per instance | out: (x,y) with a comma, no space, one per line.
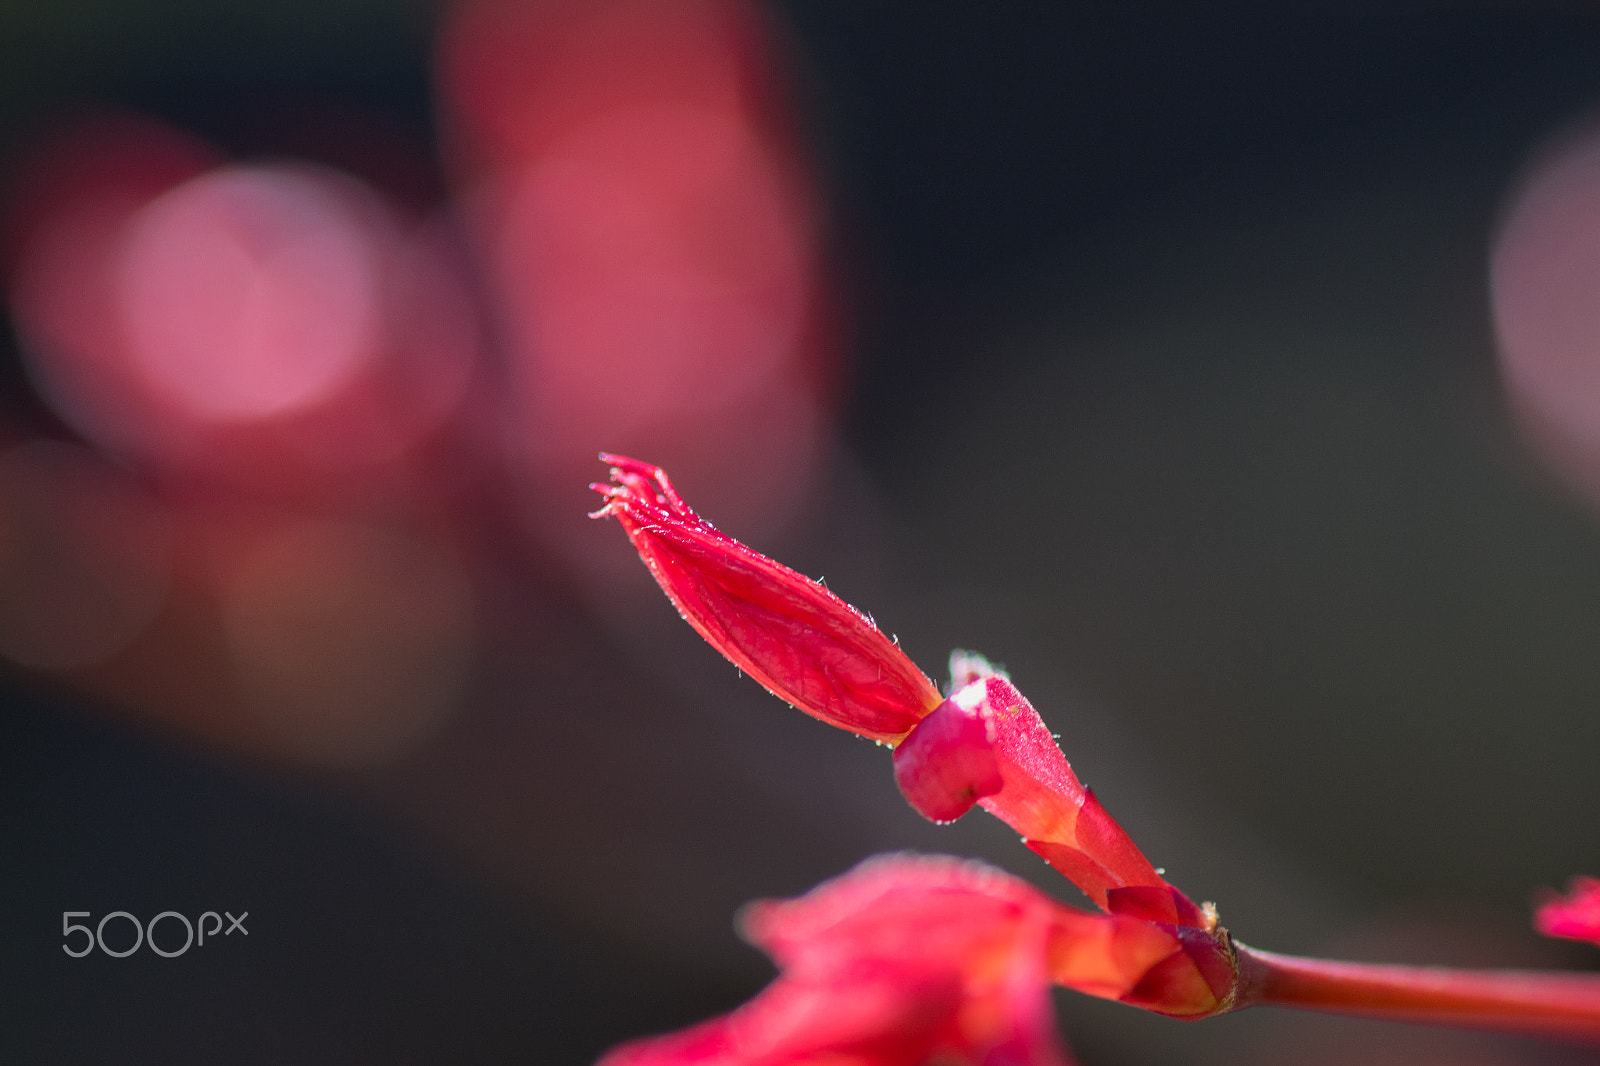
(806,645)
(986,744)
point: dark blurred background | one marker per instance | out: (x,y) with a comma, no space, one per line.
(1230,372)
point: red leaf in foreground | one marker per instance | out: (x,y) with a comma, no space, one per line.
(906,959)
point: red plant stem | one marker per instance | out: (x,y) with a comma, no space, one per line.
(1561,1005)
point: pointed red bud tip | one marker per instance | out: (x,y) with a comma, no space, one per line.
(1575,916)
(948,761)
(803,643)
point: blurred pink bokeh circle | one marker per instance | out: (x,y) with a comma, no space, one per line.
(1545,294)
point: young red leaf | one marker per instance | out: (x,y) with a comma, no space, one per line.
(803,643)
